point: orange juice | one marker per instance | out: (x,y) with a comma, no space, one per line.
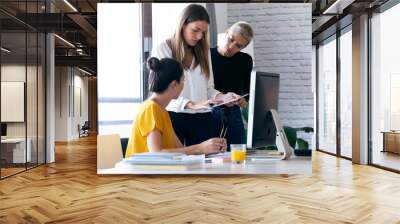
(238,156)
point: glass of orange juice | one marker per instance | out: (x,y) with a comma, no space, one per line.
(238,153)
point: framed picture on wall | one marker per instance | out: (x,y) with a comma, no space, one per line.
(12,101)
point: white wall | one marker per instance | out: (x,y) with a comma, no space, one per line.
(282,45)
(61,103)
(67,115)
(80,83)
(314,90)
(221,14)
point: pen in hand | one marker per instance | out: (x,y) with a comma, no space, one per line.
(222,136)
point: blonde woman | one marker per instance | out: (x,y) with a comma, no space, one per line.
(189,46)
(232,70)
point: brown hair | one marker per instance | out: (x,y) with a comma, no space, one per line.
(162,73)
(191,13)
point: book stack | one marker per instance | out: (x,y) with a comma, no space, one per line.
(162,161)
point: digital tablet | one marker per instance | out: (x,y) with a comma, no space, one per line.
(227,102)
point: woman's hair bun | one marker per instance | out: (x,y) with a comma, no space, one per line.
(154,64)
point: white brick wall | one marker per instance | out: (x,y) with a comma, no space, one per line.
(282,44)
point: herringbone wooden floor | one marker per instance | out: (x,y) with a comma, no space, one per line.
(70,191)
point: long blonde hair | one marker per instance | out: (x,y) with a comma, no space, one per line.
(191,13)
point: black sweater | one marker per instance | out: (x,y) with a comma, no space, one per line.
(231,74)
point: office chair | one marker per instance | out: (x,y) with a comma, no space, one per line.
(84,130)
(109,151)
(124,144)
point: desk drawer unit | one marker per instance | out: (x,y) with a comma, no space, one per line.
(392,142)
(13,151)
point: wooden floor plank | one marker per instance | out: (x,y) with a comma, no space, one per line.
(70,191)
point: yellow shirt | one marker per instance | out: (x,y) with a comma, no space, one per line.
(150,117)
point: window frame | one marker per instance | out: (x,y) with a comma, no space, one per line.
(333,37)
(381,9)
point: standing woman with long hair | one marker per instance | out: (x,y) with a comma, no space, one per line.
(190,114)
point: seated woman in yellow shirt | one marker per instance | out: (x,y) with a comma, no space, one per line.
(152,129)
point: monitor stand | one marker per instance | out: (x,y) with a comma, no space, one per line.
(281,140)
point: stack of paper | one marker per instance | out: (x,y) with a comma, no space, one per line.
(163,161)
(222,157)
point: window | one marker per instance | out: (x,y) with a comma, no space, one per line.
(385,85)
(119,66)
(346,94)
(164,19)
(22,76)
(327,96)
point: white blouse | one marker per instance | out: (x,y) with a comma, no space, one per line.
(196,88)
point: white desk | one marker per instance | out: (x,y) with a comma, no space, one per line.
(18,150)
(296,165)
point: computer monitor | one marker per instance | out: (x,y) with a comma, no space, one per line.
(264,96)
(3,129)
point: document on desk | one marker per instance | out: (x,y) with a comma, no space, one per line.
(221,154)
(163,161)
(265,157)
(219,158)
(225,157)
(156,155)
